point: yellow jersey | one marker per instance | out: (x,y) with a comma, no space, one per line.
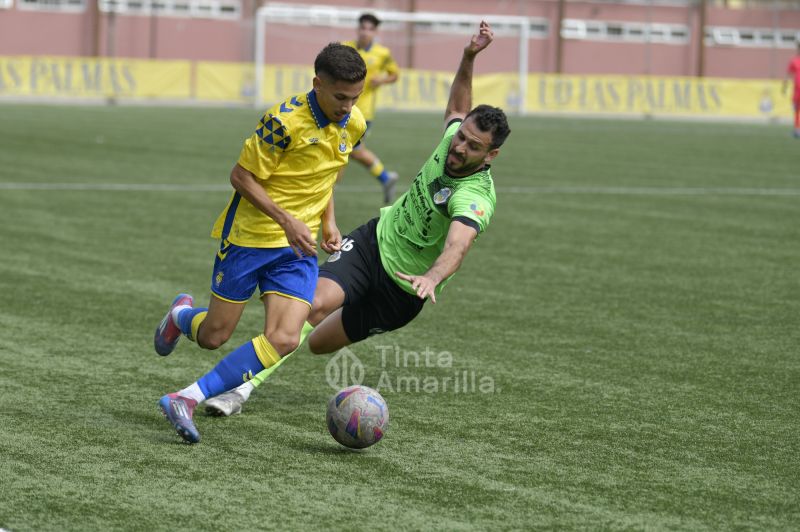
(295,154)
(379,62)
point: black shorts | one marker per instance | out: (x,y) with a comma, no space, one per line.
(373,302)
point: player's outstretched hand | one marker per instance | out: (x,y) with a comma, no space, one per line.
(299,237)
(331,238)
(482,39)
(424,286)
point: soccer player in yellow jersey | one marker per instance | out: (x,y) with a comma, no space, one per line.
(283,192)
(381,70)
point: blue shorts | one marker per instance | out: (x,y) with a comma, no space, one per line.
(238,270)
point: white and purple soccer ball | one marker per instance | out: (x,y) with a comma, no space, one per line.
(357,417)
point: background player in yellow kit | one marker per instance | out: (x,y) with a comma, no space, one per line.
(381,70)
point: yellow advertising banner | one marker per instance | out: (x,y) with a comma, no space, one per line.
(235,82)
(419,90)
(667,96)
(83,77)
(225,82)
(416,90)
(282,81)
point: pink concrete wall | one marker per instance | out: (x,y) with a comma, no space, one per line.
(42,33)
(729,61)
(177,38)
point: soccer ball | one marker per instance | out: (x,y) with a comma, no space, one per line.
(357,417)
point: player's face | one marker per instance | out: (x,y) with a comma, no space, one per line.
(366,34)
(469,150)
(336,98)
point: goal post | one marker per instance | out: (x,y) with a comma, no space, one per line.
(299,22)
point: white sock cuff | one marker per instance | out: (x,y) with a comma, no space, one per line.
(177,310)
(193,392)
(245,389)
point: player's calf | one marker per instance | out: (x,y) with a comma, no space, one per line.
(209,338)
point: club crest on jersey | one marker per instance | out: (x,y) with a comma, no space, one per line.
(343,146)
(476,209)
(441,197)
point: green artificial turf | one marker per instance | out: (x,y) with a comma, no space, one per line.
(631,312)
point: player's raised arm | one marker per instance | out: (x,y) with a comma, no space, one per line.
(460,101)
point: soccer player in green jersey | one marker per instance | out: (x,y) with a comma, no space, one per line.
(385,270)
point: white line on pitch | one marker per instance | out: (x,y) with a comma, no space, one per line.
(144,187)
(655,191)
(623,191)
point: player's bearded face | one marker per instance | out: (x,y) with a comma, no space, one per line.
(336,98)
(470,150)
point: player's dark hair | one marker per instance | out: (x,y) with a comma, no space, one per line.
(491,119)
(340,63)
(369,17)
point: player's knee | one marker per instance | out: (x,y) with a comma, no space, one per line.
(316,345)
(320,308)
(316,316)
(283,342)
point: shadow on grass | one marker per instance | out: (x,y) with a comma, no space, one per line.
(332,449)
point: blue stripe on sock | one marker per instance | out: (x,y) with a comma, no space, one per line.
(384,177)
(229,372)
